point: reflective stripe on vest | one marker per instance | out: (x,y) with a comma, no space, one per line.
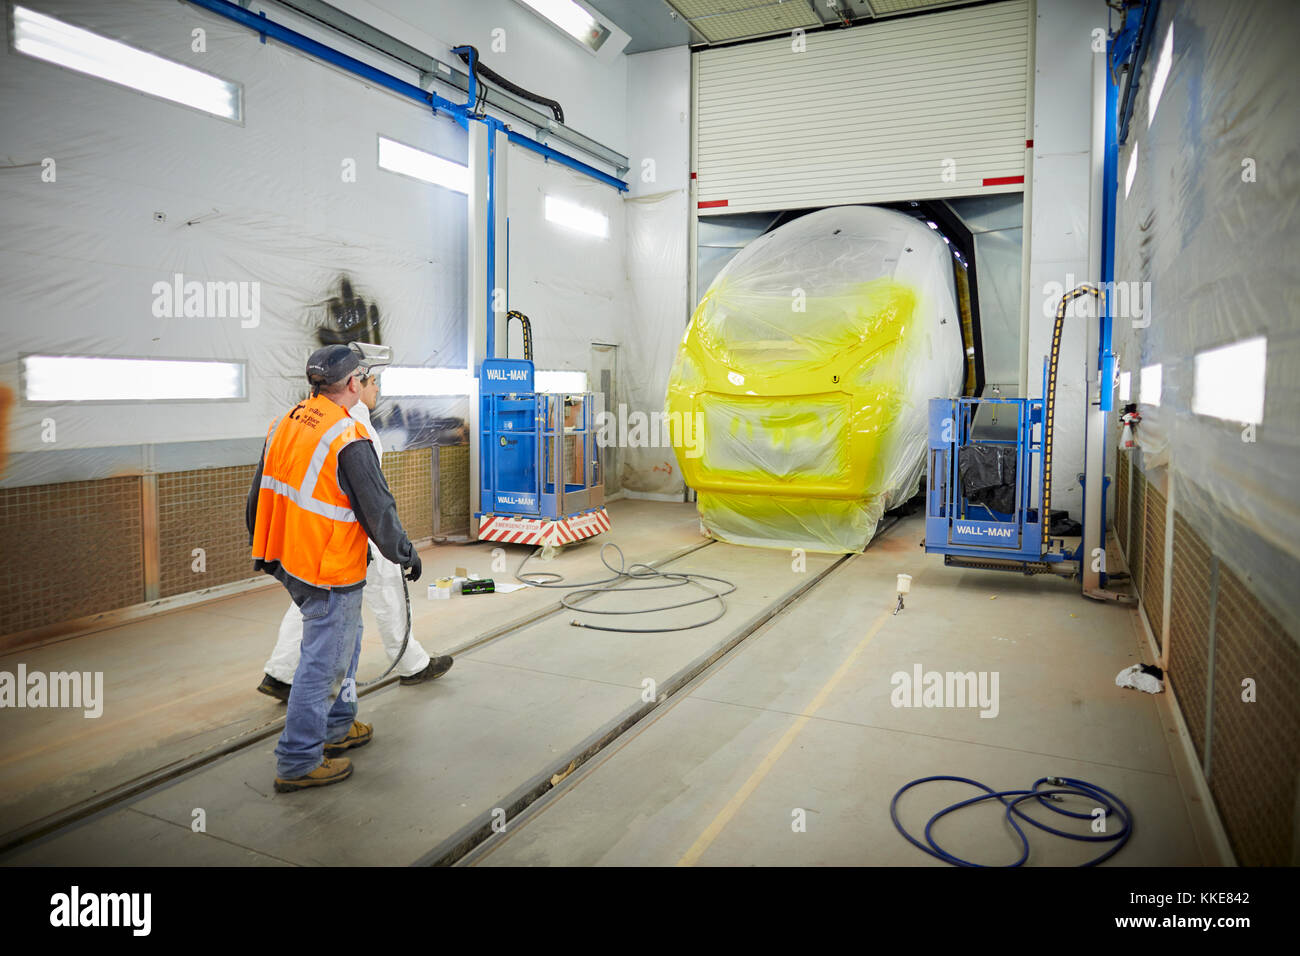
(304,518)
(304,495)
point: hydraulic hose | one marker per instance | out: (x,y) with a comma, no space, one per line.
(1061,788)
(469,55)
(1049,398)
(527,326)
(406,638)
(636,572)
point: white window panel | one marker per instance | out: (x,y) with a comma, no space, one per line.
(46,38)
(399,381)
(408,161)
(579,218)
(82,378)
(1163,66)
(1230,381)
(559,381)
(1150,384)
(1131,173)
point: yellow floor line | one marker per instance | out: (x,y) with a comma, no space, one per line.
(705,840)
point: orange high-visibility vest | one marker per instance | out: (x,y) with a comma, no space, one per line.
(304,520)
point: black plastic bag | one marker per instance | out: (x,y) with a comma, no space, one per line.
(988,475)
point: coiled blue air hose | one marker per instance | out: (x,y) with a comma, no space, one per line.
(1062,787)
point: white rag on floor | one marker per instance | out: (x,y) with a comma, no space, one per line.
(1133,677)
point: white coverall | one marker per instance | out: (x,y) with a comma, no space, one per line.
(382,594)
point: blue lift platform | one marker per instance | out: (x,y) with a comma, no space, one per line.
(972,534)
(541,474)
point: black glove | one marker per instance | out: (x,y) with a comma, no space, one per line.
(413,568)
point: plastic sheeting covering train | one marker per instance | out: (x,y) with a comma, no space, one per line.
(807,366)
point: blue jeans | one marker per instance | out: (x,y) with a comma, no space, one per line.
(327,669)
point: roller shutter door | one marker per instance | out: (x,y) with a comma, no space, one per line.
(919,108)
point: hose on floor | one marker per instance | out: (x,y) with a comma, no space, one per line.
(622,573)
(1062,787)
(406,638)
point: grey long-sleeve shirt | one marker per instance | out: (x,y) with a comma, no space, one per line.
(361,479)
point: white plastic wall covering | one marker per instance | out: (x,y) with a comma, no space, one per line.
(1027,224)
(868,114)
(693,251)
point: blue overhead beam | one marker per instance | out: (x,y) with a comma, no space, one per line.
(543,150)
(264,26)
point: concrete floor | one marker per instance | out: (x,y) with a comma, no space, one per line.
(797,717)
(181,683)
(800,718)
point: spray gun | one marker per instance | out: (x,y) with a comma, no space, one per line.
(904,586)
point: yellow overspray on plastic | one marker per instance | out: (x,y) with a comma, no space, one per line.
(807,366)
(815,430)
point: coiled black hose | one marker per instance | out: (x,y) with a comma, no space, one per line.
(636,572)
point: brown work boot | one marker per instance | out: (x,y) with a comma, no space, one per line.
(330,771)
(358,735)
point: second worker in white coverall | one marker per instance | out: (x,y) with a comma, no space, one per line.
(382,594)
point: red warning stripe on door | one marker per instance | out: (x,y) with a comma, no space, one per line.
(1003,180)
(712,203)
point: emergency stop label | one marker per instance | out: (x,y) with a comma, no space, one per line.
(506,524)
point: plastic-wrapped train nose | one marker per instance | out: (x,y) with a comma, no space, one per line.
(798,397)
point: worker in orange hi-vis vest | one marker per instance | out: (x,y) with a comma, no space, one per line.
(316,498)
(384,595)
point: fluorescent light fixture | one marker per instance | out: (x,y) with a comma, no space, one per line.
(54,41)
(1149,385)
(71,378)
(398,381)
(416,163)
(1230,382)
(572,19)
(1162,74)
(1131,172)
(1125,386)
(576,217)
(560,381)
